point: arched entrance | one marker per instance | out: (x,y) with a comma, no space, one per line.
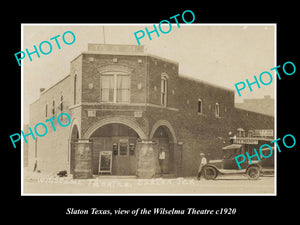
(74,137)
(164,136)
(119,140)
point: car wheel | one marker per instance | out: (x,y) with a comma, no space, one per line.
(253,173)
(210,173)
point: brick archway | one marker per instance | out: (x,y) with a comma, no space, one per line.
(113,68)
(164,123)
(130,123)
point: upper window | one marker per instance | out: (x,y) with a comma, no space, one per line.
(53,107)
(61,102)
(217,110)
(75,87)
(46,110)
(200,106)
(123,88)
(115,87)
(164,90)
(107,88)
(240,132)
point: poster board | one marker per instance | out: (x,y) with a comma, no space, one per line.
(105,162)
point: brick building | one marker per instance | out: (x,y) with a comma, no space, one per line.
(127,104)
(263,105)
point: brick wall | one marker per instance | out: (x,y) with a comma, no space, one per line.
(199,132)
(91,75)
(52,149)
(202,132)
(76,69)
(157,67)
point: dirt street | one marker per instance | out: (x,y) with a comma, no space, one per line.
(131,185)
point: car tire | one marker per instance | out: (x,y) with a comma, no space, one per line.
(253,173)
(210,173)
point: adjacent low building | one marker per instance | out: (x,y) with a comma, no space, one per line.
(125,106)
(260,105)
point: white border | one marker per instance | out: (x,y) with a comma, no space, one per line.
(22,119)
(275,110)
(138,24)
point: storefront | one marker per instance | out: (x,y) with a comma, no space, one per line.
(255,139)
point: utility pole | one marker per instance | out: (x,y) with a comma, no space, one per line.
(103,34)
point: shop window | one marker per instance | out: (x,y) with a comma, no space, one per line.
(131,148)
(123,148)
(115,149)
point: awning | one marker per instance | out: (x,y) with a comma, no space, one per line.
(266,148)
(233,146)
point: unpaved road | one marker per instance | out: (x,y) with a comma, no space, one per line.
(131,185)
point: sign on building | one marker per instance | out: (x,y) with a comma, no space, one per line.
(91,113)
(138,114)
(262,133)
(247,141)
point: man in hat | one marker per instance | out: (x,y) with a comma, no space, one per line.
(203,161)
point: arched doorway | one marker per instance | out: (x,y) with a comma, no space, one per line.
(164,139)
(120,140)
(74,138)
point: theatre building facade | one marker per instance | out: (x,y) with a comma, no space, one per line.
(126,105)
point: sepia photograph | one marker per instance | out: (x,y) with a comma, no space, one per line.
(149,109)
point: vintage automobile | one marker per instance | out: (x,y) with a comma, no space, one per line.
(267,164)
(228,165)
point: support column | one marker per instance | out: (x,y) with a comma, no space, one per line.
(145,159)
(83,159)
(178,148)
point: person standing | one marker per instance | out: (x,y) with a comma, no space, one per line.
(203,161)
(161,159)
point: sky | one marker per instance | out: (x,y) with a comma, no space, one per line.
(219,54)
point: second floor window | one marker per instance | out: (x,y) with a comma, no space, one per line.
(61,102)
(46,110)
(115,88)
(164,90)
(75,87)
(200,106)
(53,107)
(123,88)
(217,110)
